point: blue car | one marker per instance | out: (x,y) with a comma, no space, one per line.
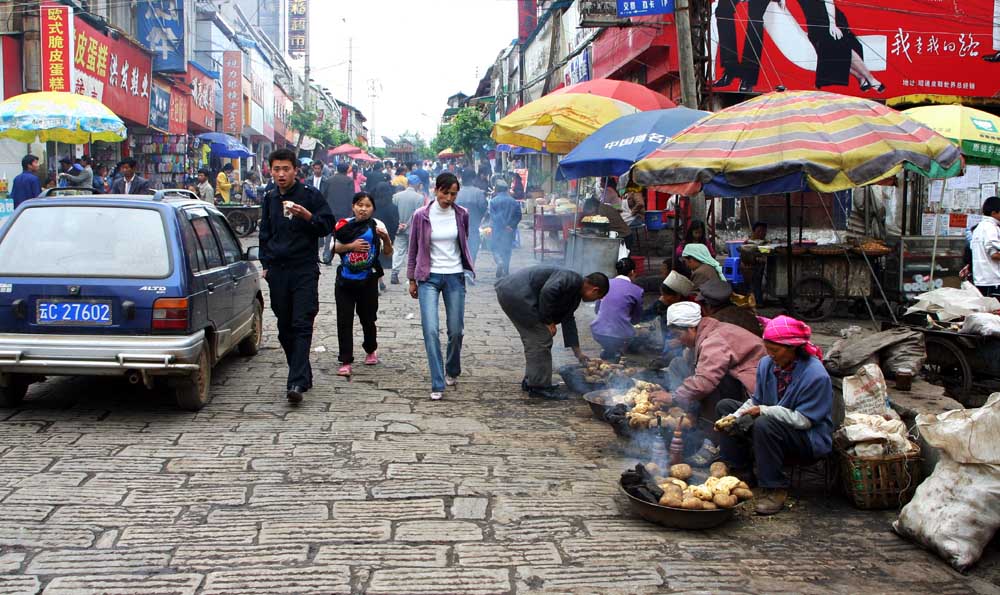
(143,287)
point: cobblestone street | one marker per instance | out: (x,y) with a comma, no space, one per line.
(370,487)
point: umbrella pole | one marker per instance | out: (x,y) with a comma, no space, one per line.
(802,214)
(788,238)
(937,217)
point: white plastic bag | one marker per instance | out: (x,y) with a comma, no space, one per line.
(981,323)
(949,303)
(956,511)
(865,392)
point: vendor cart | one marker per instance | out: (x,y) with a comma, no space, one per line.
(957,361)
(243,218)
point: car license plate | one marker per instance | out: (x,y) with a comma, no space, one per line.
(76,313)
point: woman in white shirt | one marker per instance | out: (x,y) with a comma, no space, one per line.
(438,258)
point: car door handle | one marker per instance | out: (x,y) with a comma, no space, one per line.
(236,280)
(210,287)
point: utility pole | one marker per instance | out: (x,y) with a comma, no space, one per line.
(373,94)
(350,71)
(685,54)
(305,94)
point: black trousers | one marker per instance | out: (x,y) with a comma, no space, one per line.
(770,443)
(295,303)
(753,44)
(360,297)
(725,16)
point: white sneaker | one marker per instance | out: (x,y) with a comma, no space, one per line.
(436,396)
(449,381)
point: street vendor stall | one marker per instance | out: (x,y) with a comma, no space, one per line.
(786,142)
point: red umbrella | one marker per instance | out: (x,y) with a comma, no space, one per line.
(641,97)
(362,156)
(344,149)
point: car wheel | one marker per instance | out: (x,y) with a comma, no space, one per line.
(12,394)
(194,392)
(250,345)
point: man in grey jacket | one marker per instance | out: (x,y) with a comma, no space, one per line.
(538,298)
(82,177)
(406,202)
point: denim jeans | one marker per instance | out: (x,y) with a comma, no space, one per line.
(453,288)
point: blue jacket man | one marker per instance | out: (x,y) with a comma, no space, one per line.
(26,185)
(505,214)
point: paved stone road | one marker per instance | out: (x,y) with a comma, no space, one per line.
(369,487)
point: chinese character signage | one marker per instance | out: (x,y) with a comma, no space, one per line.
(877,50)
(282,111)
(114,71)
(161,29)
(298,19)
(178,111)
(159,108)
(232,93)
(57,48)
(201,108)
(641,8)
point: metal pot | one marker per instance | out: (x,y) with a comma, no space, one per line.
(678,518)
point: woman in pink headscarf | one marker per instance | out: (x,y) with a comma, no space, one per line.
(788,418)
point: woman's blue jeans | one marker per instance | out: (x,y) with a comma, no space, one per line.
(452,287)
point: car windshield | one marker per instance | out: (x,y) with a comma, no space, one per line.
(85,241)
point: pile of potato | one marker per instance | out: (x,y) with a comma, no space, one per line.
(671,419)
(597,371)
(720,490)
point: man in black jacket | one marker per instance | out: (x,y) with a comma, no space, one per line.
(293,217)
(537,299)
(339,196)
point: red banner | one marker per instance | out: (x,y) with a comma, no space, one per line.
(57,48)
(527,19)
(178,111)
(114,71)
(877,50)
(201,108)
(232,93)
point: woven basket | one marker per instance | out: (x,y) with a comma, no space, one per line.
(873,252)
(879,482)
(796,250)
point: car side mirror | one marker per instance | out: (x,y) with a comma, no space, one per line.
(253,253)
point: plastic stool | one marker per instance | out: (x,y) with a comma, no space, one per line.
(731,270)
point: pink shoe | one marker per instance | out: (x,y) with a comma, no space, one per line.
(371,359)
(344,370)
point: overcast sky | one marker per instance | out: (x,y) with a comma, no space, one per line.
(419,51)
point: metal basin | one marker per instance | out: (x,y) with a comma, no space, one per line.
(599,402)
(678,518)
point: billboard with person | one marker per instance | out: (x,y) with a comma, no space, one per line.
(876,49)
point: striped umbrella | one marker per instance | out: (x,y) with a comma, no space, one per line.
(793,141)
(63,117)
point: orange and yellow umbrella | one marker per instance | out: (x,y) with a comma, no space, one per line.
(559,122)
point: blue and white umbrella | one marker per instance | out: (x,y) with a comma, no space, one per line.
(612,149)
(226,146)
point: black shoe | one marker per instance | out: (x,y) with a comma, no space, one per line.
(524,385)
(865,85)
(724,81)
(994,57)
(295,395)
(547,393)
(394,280)
(746,87)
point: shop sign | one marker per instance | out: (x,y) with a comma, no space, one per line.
(232,93)
(282,111)
(894,48)
(57,47)
(298,26)
(578,68)
(598,13)
(263,93)
(159,108)
(178,111)
(161,28)
(201,110)
(116,72)
(641,8)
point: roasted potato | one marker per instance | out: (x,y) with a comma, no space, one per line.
(709,506)
(691,504)
(742,494)
(726,423)
(725,501)
(678,482)
(671,500)
(653,469)
(718,469)
(702,492)
(682,471)
(743,485)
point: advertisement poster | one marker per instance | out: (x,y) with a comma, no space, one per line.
(57,47)
(159,108)
(877,50)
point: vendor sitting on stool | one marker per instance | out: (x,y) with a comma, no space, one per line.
(617,312)
(788,419)
(716,302)
(726,359)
